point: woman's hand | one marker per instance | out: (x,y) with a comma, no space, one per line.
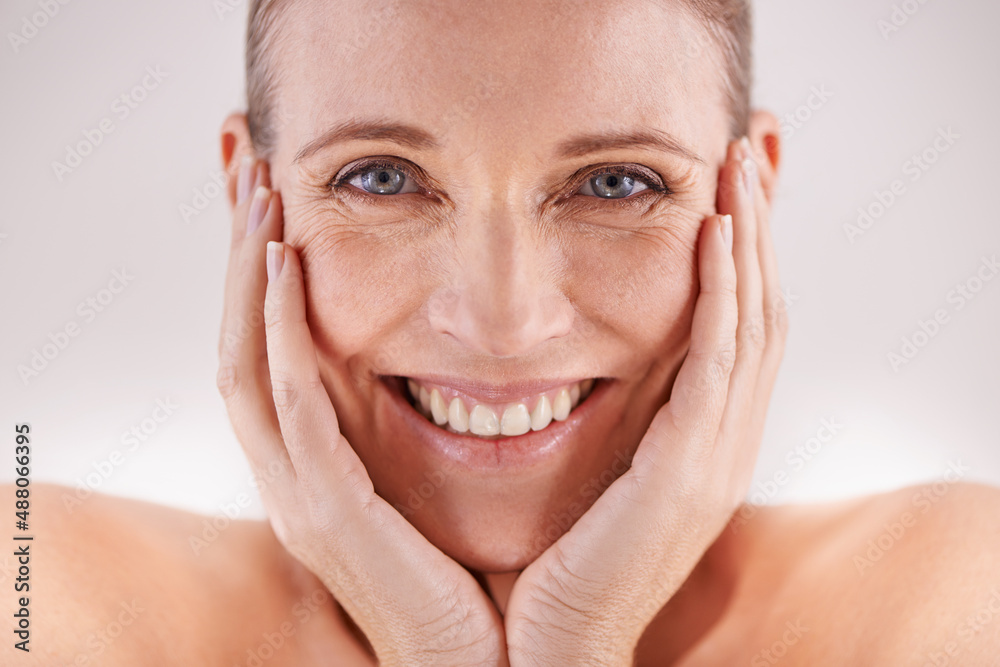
(415,605)
(588,598)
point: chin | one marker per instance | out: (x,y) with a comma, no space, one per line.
(491,543)
(495,500)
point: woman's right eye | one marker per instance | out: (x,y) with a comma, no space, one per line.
(382,180)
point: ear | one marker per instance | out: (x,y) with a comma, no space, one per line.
(765,137)
(235,144)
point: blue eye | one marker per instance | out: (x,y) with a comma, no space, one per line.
(377,178)
(381,177)
(612,185)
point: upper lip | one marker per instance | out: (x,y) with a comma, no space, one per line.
(496,392)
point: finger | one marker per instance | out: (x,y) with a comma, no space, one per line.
(242,334)
(373,554)
(775,306)
(305,412)
(699,393)
(737,198)
(242,379)
(775,316)
(253,173)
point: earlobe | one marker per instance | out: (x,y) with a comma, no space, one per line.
(235,137)
(765,136)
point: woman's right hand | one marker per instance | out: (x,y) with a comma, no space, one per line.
(415,605)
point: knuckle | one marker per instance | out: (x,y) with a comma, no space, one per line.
(274,304)
(781,324)
(289,393)
(752,335)
(723,362)
(285,392)
(272,311)
(239,332)
(777,327)
(717,367)
(727,290)
(227,379)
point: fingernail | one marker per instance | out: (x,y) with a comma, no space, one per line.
(245,182)
(749,168)
(746,146)
(275,259)
(258,207)
(726,228)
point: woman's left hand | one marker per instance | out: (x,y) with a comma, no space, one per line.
(590,596)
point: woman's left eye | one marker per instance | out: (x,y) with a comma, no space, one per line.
(612,185)
(382,180)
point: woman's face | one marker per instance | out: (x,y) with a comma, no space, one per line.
(497,201)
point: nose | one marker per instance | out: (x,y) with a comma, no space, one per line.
(504,299)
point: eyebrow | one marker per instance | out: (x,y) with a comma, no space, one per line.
(649,138)
(416,138)
(372,130)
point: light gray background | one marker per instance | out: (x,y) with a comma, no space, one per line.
(851,302)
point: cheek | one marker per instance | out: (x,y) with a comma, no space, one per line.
(639,288)
(367,287)
(360,287)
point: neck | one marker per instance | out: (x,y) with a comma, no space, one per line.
(498,587)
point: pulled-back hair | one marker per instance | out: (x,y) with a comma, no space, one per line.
(728,26)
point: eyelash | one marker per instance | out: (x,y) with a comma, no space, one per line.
(644,175)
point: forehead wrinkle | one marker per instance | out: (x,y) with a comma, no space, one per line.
(529,93)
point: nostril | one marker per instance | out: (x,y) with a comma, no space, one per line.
(502,326)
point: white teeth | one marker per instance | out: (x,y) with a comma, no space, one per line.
(438,409)
(483,421)
(541,416)
(561,406)
(458,416)
(516,420)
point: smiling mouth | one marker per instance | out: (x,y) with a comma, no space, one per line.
(456,412)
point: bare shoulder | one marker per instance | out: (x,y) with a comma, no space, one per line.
(115,581)
(910,576)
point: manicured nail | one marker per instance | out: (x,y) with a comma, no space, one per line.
(275,259)
(746,146)
(749,168)
(726,227)
(258,207)
(245,182)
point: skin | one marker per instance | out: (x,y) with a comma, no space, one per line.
(500,272)
(494,278)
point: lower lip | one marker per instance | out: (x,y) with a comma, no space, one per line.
(474,453)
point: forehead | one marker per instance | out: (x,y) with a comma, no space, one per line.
(507,70)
